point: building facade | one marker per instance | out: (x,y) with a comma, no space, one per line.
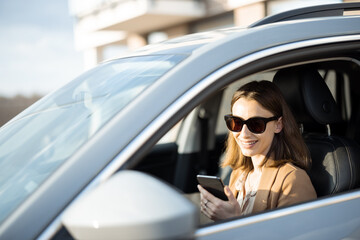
(105,29)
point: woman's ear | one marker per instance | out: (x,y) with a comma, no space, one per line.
(278,125)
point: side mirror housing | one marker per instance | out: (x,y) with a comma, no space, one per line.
(131,205)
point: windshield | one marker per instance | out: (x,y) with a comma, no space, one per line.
(35,143)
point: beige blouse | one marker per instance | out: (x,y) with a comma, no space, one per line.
(247,193)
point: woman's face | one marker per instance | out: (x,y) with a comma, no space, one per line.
(251,144)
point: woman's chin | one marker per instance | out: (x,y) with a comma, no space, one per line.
(248,153)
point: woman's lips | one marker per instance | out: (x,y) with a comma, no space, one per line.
(248,144)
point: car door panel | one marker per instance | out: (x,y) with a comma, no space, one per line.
(334,217)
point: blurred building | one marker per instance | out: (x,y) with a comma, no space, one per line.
(107,28)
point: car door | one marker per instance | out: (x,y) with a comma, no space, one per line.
(335,217)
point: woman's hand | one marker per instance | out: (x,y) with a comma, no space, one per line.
(215,208)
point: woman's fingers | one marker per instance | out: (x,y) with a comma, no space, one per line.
(208,209)
(229,194)
(207,202)
(233,201)
(215,208)
(206,195)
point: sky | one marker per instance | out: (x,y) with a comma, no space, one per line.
(37,53)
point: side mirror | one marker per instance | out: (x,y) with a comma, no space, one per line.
(131,205)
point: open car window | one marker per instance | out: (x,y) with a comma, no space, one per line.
(179,165)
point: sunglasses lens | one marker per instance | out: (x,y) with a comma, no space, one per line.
(256,125)
(234,124)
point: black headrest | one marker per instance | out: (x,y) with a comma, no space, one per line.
(307,95)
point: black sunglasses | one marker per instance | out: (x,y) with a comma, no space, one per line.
(256,125)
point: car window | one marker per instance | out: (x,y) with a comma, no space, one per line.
(189,163)
(62,122)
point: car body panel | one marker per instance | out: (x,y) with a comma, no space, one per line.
(331,218)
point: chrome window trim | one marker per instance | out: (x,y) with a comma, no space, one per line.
(127,152)
(205,231)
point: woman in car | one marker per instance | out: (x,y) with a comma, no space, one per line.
(266,152)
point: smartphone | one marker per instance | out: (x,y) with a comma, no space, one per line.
(213,185)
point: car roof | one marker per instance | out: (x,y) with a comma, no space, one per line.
(310,12)
(256,37)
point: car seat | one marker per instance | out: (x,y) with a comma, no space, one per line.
(335,159)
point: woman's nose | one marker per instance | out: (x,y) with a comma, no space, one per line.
(245,131)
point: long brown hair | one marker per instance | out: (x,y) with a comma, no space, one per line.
(287,146)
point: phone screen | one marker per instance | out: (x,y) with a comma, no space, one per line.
(213,185)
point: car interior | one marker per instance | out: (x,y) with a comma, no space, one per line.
(323,97)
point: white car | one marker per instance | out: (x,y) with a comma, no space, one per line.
(114,154)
